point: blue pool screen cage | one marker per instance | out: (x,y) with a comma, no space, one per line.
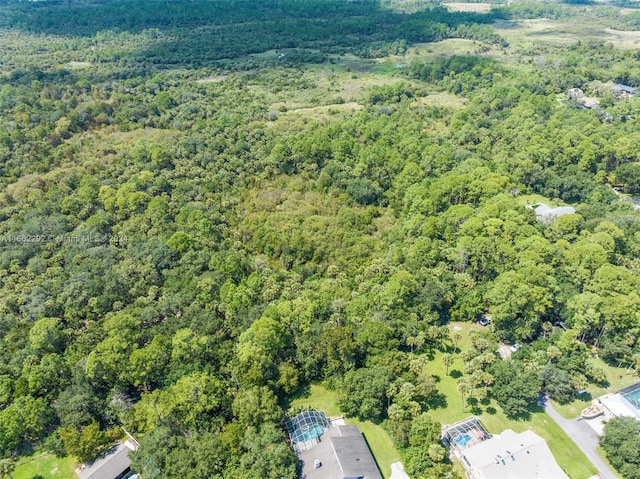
(305,429)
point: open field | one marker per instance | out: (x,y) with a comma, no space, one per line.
(533,199)
(379,440)
(451,46)
(443,99)
(562,32)
(469,7)
(46,465)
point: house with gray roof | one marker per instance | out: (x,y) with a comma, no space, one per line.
(619,90)
(340,453)
(113,464)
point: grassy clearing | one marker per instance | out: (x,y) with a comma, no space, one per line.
(533,199)
(451,46)
(443,99)
(320,398)
(618,378)
(558,33)
(384,452)
(317,113)
(574,408)
(47,465)
(469,7)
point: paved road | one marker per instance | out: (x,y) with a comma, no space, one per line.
(582,434)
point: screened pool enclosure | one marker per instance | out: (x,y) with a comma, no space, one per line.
(305,429)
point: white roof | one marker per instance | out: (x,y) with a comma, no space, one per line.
(618,406)
(513,456)
(546,213)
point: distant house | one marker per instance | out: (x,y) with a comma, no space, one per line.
(547,214)
(590,103)
(512,456)
(113,464)
(622,91)
(577,95)
(329,451)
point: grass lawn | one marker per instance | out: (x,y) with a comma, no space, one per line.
(46,465)
(619,378)
(569,457)
(574,408)
(533,199)
(382,447)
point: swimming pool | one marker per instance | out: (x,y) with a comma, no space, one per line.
(309,433)
(462,439)
(632,395)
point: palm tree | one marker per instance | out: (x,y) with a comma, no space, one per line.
(464,388)
(7,466)
(456,339)
(447,360)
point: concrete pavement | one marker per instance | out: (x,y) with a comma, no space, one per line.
(582,435)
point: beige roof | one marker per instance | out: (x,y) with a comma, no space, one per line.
(513,456)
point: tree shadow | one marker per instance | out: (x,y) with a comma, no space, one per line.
(428,352)
(438,401)
(364,436)
(302,392)
(455,373)
(474,404)
(491,410)
(585,397)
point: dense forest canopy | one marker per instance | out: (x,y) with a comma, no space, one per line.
(207,206)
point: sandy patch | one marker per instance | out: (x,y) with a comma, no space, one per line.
(79,65)
(469,7)
(213,79)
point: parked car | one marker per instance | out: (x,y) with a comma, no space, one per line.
(485,320)
(515,347)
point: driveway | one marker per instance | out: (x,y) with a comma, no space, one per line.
(582,434)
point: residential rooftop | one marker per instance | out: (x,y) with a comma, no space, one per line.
(341,453)
(113,464)
(512,456)
(547,214)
